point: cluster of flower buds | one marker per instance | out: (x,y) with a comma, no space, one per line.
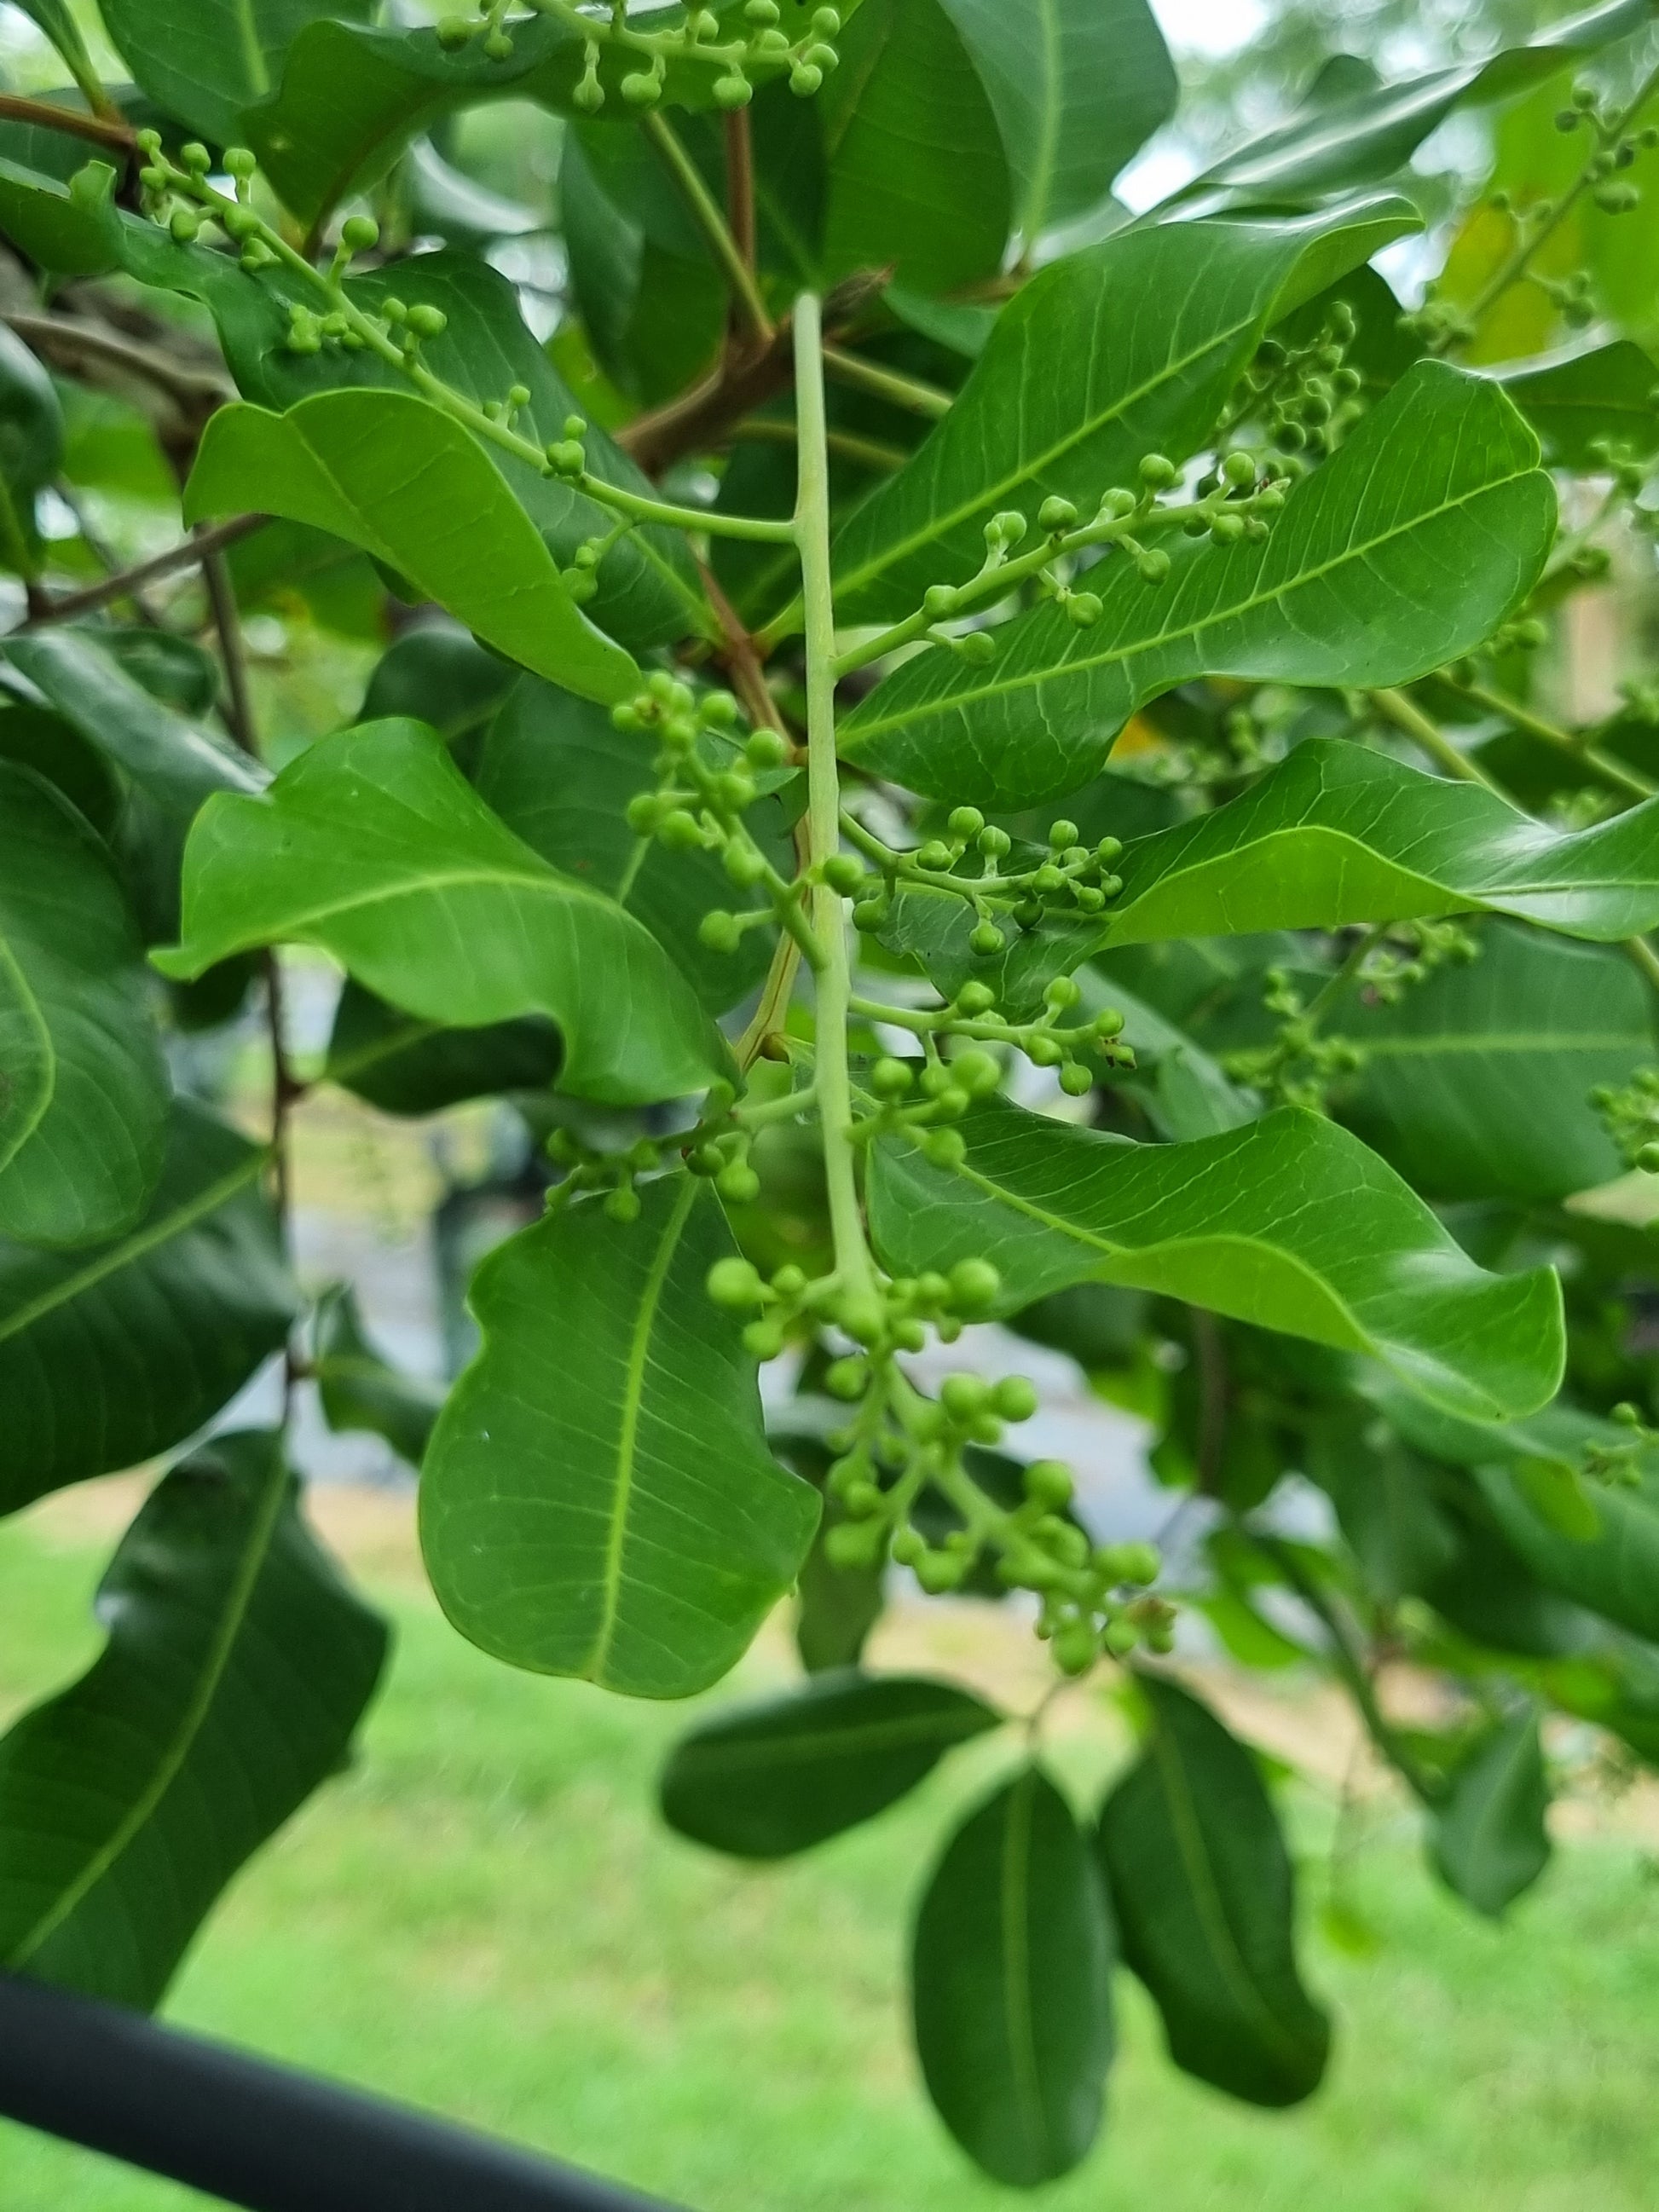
(1299,1068)
(889,1316)
(1618,1466)
(1307,395)
(1616,147)
(587,1168)
(1631,1112)
(1070,878)
(764,48)
(1411,954)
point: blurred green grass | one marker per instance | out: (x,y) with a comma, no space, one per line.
(485,1918)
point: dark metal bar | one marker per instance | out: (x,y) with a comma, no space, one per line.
(255,2134)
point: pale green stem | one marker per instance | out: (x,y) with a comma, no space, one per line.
(832,1082)
(740,277)
(1612,773)
(887,383)
(1406,715)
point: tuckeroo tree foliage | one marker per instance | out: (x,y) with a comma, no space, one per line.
(995,763)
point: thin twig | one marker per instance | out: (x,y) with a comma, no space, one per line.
(1406,715)
(121,586)
(226,620)
(102,130)
(86,341)
(1607,771)
(103,553)
(737,269)
(887,383)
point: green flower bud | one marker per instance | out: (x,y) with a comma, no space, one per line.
(1227,528)
(976,998)
(1157,470)
(1010,526)
(1648,1159)
(891,1079)
(940,599)
(965,821)
(240,224)
(184,224)
(1083,609)
(641,88)
(995,843)
(978,648)
(1121,1638)
(869,915)
(766,748)
(455,32)
(974,1286)
(845,874)
(1062,992)
(736,1285)
(826,21)
(623,1204)
(977,1072)
(589,94)
(1238,469)
(428,322)
(1153,565)
(1140,1564)
(680,830)
(805,79)
(1014,1398)
(847,1379)
(240,162)
(1056,516)
(498,45)
(1075,1648)
(862,1315)
(719,931)
(945,1148)
(739,1184)
(822,57)
(764,1339)
(763,12)
(985,939)
(963,1396)
(1075,1079)
(734,91)
(743,864)
(1108,1023)
(933,856)
(1118,504)
(360,234)
(735,790)
(1049,1484)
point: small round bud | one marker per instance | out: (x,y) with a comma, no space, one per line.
(974,1286)
(994,842)
(805,79)
(940,599)
(847,1379)
(184,224)
(1121,1638)
(428,322)
(196,158)
(1062,991)
(845,874)
(1049,1484)
(641,88)
(1083,609)
(734,91)
(764,1339)
(974,999)
(736,1285)
(965,821)
(985,939)
(945,1148)
(963,1396)
(360,234)
(1153,565)
(1238,469)
(826,21)
(978,648)
(870,914)
(1014,1398)
(1157,470)
(1108,1023)
(891,1077)
(1041,1048)
(1133,1562)
(1056,515)
(1010,526)
(1227,528)
(1648,1159)
(739,1184)
(766,748)
(719,931)
(498,45)
(1075,1079)
(977,1072)
(863,1316)
(1076,1648)
(623,1204)
(935,856)
(455,32)
(679,830)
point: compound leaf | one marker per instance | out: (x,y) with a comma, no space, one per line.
(612,1512)
(771,1779)
(398,476)
(1489,1841)
(1405,549)
(1201,1886)
(237,1667)
(374,846)
(1011,1981)
(83,1087)
(1288,1222)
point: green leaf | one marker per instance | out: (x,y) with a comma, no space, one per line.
(439,675)
(359,1389)
(1201,1885)
(1337,834)
(31,450)
(561,777)
(1476,1083)
(767,1779)
(917,179)
(112,1353)
(404,481)
(1580,398)
(613,1513)
(373,846)
(1405,549)
(55,19)
(1010,1982)
(1331,145)
(1288,1223)
(1490,1841)
(236,1668)
(205,60)
(68,226)
(407,1066)
(1077,88)
(173,760)
(83,1087)
(1129,347)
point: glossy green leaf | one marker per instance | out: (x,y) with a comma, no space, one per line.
(918,179)
(398,476)
(31,450)
(1202,1884)
(836,1607)
(373,846)
(83,1087)
(1077,86)
(236,1668)
(613,1513)
(1405,549)
(1581,400)
(173,760)
(69,225)
(1129,347)
(1337,834)
(1011,1985)
(1289,1222)
(205,60)
(407,1066)
(764,1780)
(114,1353)
(561,777)
(1476,1083)
(353,97)
(1489,1839)
(438,674)
(358,1390)
(1333,145)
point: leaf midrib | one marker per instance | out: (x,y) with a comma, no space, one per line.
(949,702)
(628,1435)
(36,1019)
